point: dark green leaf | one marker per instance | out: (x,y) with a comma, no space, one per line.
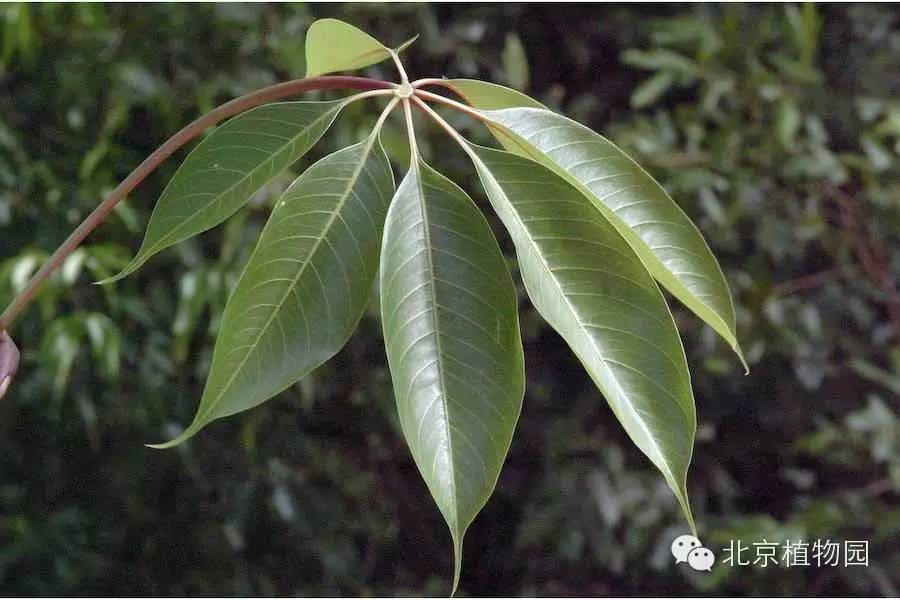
(452,335)
(234,161)
(593,289)
(306,284)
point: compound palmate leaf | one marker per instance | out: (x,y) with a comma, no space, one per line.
(228,166)
(452,337)
(593,233)
(306,284)
(588,283)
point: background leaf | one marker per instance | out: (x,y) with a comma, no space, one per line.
(592,288)
(452,335)
(515,62)
(652,89)
(332,46)
(235,160)
(306,285)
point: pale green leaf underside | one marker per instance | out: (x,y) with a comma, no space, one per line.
(306,284)
(488,96)
(588,283)
(228,166)
(333,46)
(452,337)
(659,231)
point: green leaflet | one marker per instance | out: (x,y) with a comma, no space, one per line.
(228,166)
(333,46)
(588,283)
(306,284)
(452,335)
(661,233)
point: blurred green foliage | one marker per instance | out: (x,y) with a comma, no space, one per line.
(777,128)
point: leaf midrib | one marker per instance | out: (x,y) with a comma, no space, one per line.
(432,277)
(277,308)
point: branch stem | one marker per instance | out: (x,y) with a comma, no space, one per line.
(174,143)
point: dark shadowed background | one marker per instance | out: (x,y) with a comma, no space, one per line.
(776,128)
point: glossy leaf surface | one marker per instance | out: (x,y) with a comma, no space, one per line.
(306,284)
(661,233)
(228,166)
(333,46)
(587,282)
(452,336)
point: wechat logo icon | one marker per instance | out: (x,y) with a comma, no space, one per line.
(687,548)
